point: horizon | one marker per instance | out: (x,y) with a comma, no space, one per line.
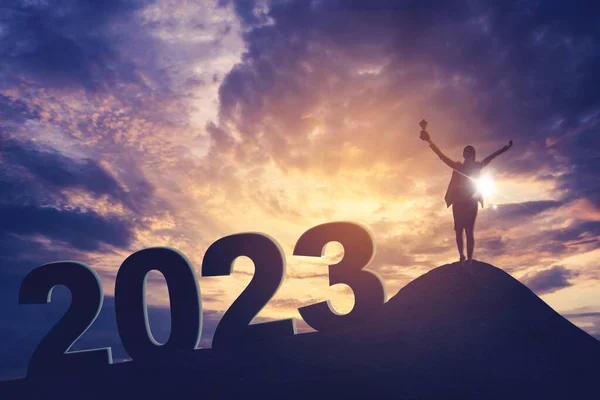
(128,125)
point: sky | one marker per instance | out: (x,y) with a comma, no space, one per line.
(127,124)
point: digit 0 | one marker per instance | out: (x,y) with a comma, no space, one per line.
(131,310)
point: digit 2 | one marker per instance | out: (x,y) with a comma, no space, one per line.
(269,264)
(86,301)
(368,288)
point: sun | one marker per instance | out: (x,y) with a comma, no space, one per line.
(485,185)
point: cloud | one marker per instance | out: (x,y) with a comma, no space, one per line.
(55,169)
(518,211)
(589,321)
(15,111)
(250,12)
(33,201)
(83,231)
(64,42)
(331,85)
(138,124)
(580,231)
(549,280)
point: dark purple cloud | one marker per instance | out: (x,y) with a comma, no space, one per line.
(588,318)
(56,169)
(31,202)
(549,280)
(15,111)
(518,211)
(579,231)
(494,247)
(249,11)
(64,42)
(583,151)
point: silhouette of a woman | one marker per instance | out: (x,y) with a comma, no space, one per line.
(462,191)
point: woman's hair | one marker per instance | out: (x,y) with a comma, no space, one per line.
(469,152)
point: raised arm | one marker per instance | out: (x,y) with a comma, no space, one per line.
(489,158)
(447,160)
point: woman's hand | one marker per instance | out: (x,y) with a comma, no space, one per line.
(510,144)
(425,136)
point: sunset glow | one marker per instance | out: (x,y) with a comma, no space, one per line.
(176,123)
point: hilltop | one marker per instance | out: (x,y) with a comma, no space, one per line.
(454,333)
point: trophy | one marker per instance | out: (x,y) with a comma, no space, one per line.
(424,135)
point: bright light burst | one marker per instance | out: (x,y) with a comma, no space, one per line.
(485,185)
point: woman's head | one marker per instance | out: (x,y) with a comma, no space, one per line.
(469,153)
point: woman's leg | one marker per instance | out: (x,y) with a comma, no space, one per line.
(470,230)
(470,242)
(457,212)
(459,244)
